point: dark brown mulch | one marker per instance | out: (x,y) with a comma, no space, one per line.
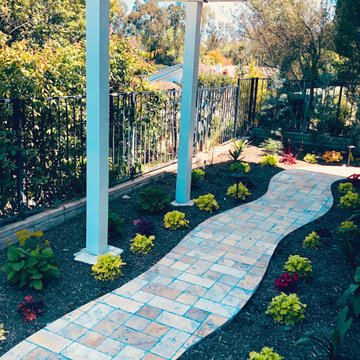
(75,286)
(251,329)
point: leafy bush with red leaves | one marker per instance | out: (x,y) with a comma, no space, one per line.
(287,282)
(354,179)
(144,227)
(288,157)
(30,309)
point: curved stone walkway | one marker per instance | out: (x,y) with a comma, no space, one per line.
(196,288)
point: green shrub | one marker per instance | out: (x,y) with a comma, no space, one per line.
(269,160)
(286,309)
(242,192)
(207,203)
(346,187)
(174,220)
(298,265)
(271,146)
(153,199)
(196,176)
(2,332)
(108,267)
(347,227)
(310,158)
(115,225)
(242,167)
(350,200)
(312,241)
(266,354)
(141,244)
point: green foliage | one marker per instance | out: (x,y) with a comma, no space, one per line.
(350,200)
(209,80)
(348,231)
(346,187)
(174,220)
(346,227)
(330,346)
(238,148)
(196,176)
(153,199)
(310,158)
(207,203)
(286,309)
(298,265)
(312,241)
(108,267)
(272,146)
(242,167)
(2,332)
(240,192)
(141,244)
(265,354)
(115,225)
(353,293)
(269,160)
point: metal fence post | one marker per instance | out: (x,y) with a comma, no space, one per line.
(236,107)
(19,169)
(251,102)
(338,112)
(255,100)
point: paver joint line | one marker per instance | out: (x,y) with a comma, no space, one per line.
(195,289)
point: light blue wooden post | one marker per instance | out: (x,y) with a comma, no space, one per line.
(188,101)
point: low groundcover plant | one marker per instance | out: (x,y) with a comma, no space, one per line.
(31,308)
(141,244)
(265,354)
(312,241)
(207,203)
(298,265)
(108,267)
(269,160)
(174,220)
(2,332)
(287,282)
(240,192)
(350,200)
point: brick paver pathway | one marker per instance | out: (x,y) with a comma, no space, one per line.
(196,288)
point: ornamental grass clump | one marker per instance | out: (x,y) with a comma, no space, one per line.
(207,203)
(312,241)
(286,309)
(298,265)
(310,158)
(241,192)
(108,267)
(269,160)
(265,354)
(141,244)
(2,332)
(350,200)
(174,220)
(346,187)
(243,168)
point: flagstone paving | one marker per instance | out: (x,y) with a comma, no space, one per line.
(196,288)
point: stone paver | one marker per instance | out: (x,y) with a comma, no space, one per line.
(196,288)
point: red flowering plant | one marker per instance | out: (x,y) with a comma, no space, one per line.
(30,309)
(287,282)
(288,153)
(354,179)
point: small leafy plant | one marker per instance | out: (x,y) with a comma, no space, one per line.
(108,267)
(346,227)
(241,192)
(272,146)
(298,265)
(153,199)
(2,332)
(350,200)
(242,167)
(288,154)
(310,158)
(141,244)
(346,187)
(286,309)
(287,282)
(353,293)
(144,227)
(269,160)
(207,203)
(354,179)
(30,309)
(237,149)
(197,175)
(312,241)
(332,156)
(174,220)
(330,346)
(115,225)
(265,354)
(348,231)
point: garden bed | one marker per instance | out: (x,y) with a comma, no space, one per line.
(252,329)
(75,285)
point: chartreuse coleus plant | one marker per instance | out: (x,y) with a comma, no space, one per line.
(350,200)
(141,244)
(312,241)
(108,267)
(241,167)
(174,220)
(241,192)
(269,160)
(286,309)
(207,203)
(298,265)
(31,262)
(265,354)
(353,293)
(310,158)
(153,199)
(2,332)
(330,346)
(346,187)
